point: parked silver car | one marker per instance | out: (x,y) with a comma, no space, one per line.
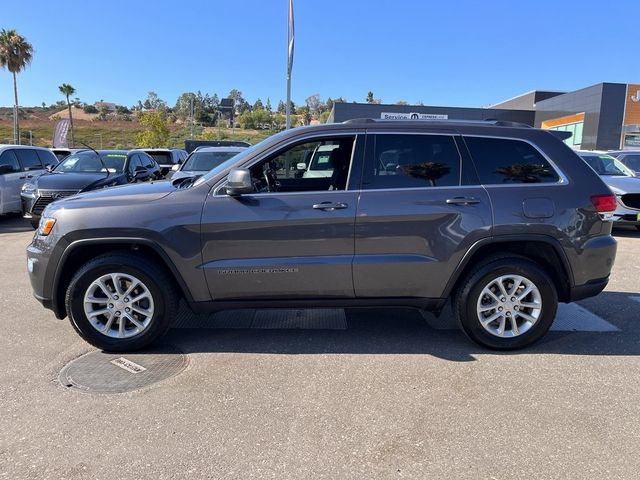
(19,163)
(622,181)
(630,159)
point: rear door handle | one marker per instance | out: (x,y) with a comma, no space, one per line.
(462,201)
(330,206)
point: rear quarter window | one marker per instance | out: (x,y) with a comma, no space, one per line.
(505,161)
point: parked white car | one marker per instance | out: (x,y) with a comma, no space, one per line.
(622,181)
(319,165)
(19,163)
(203,159)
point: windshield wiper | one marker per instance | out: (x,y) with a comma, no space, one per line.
(99,157)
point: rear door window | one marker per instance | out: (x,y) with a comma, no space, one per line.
(28,159)
(412,161)
(9,158)
(47,158)
(502,161)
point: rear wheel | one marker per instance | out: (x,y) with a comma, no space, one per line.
(118,302)
(506,303)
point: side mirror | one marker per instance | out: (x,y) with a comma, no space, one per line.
(48,167)
(140,172)
(176,167)
(301,166)
(5,169)
(239,182)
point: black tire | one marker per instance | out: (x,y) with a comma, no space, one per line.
(35,222)
(160,286)
(466,301)
(638,227)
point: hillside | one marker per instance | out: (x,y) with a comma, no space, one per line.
(108,133)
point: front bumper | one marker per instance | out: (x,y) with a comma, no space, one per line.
(625,215)
(28,201)
(39,255)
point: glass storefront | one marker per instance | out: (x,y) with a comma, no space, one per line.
(575,140)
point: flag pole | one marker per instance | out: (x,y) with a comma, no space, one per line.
(290,43)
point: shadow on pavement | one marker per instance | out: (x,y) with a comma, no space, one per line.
(14,223)
(392,331)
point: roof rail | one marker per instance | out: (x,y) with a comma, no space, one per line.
(492,121)
(360,120)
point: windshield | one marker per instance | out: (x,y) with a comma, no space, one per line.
(88,162)
(162,158)
(606,165)
(204,161)
(239,158)
(632,162)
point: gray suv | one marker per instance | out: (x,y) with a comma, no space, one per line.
(502,220)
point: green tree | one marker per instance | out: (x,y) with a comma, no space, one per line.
(370,98)
(67,90)
(15,54)
(156,134)
(324,116)
(154,102)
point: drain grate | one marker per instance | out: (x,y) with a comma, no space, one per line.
(99,372)
(318,318)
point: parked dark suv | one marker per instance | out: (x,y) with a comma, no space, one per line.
(505,221)
(83,171)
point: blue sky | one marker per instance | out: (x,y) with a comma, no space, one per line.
(459,53)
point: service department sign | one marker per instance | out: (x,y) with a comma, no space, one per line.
(412,116)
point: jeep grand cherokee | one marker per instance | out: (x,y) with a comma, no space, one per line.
(502,220)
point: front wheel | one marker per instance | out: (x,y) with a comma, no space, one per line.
(506,303)
(120,302)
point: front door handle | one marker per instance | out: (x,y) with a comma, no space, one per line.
(330,206)
(462,201)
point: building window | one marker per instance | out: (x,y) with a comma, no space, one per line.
(575,140)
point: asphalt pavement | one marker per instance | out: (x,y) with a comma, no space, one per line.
(388,397)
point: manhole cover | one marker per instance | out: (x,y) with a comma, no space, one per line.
(99,372)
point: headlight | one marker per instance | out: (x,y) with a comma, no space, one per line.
(46,225)
(28,188)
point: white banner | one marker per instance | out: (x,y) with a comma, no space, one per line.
(412,116)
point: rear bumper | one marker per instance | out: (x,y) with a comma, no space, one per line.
(591,289)
(592,266)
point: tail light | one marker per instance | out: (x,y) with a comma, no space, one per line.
(604,203)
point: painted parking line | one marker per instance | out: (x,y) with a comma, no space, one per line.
(572,317)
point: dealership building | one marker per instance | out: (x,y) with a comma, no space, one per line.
(605,116)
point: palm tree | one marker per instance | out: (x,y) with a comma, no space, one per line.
(15,54)
(67,90)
